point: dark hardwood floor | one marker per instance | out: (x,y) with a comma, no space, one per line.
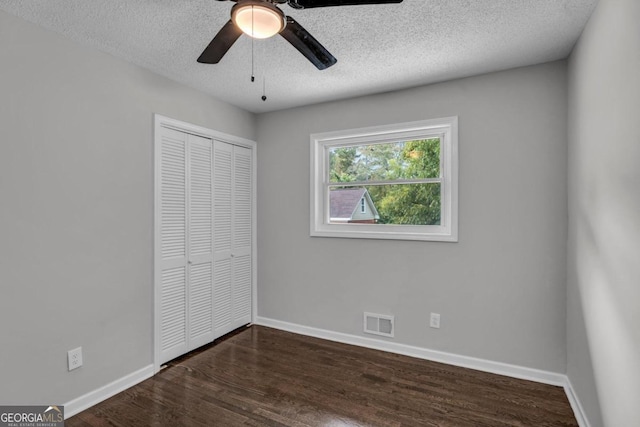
(265,377)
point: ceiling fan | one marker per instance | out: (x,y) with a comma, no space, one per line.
(261,19)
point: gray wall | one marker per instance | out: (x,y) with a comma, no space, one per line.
(603,316)
(500,289)
(76,209)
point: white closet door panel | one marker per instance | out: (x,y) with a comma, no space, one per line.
(173,203)
(173,327)
(242,235)
(200,242)
(222,215)
(173,244)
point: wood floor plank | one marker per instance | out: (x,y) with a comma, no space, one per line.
(264,377)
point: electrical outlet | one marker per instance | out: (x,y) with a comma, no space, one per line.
(74,357)
(434,322)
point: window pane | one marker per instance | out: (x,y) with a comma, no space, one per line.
(398,204)
(383,162)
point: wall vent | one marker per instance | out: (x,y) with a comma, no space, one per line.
(379,324)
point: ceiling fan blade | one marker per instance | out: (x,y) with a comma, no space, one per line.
(308,4)
(220,44)
(307,45)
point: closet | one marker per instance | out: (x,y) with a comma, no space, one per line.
(203,237)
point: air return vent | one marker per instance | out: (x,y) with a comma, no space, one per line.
(378,324)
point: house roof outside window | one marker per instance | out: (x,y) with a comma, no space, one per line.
(345,206)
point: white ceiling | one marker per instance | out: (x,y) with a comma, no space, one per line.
(379,47)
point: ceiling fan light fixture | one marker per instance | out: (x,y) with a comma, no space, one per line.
(258,19)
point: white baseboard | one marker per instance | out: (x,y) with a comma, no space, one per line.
(484,365)
(94,397)
(574,401)
(421,353)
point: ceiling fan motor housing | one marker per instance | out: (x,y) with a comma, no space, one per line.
(259,19)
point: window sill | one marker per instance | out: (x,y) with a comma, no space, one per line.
(439,234)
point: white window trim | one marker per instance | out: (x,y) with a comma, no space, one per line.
(445,128)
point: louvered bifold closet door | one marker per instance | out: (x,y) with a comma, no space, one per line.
(232,238)
(186,243)
(172,194)
(200,241)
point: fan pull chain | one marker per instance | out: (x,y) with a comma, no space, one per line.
(253,78)
(264,90)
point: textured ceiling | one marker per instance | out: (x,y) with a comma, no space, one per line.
(378,47)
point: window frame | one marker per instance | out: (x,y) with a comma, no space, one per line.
(444,128)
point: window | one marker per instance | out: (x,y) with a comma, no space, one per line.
(406,173)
